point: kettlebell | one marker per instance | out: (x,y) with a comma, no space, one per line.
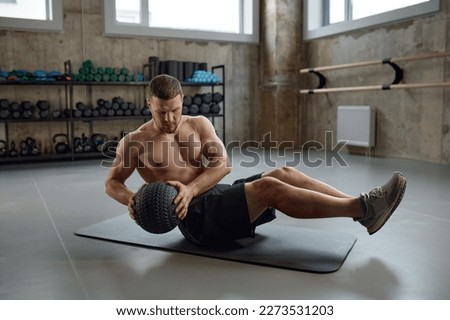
(34,150)
(12,150)
(97,141)
(77,147)
(3,151)
(61,143)
(24,149)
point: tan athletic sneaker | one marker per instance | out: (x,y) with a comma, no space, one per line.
(381,202)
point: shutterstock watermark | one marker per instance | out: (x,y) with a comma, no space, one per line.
(184,153)
(272,153)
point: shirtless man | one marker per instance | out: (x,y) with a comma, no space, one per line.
(186,153)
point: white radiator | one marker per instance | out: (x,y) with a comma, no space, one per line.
(356,125)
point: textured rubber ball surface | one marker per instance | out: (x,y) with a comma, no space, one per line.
(154,208)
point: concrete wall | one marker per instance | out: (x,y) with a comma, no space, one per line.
(262,81)
(411,123)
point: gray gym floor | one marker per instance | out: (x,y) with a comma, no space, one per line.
(41,258)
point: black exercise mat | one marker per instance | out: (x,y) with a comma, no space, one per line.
(274,245)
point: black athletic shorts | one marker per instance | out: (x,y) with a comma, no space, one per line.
(220,215)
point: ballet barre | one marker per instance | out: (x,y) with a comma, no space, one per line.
(392,62)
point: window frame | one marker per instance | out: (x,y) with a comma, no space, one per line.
(114,28)
(315,15)
(54,25)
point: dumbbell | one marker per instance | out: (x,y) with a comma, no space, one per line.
(145,112)
(187,101)
(58,113)
(14,109)
(28,148)
(100,102)
(115,106)
(102,111)
(194,109)
(75,113)
(4,109)
(84,110)
(81,106)
(82,145)
(4,104)
(27,109)
(205,108)
(136,112)
(207,98)
(43,105)
(124,105)
(215,108)
(132,106)
(88,64)
(197,99)
(88,112)
(109,70)
(44,114)
(130,110)
(107,104)
(119,100)
(217,97)
(110,112)
(5,114)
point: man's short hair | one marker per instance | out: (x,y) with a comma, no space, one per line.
(164,87)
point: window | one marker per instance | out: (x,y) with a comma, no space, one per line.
(34,15)
(328,17)
(217,20)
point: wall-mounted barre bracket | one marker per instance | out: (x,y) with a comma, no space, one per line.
(397,69)
(322,79)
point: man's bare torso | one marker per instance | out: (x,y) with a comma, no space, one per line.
(174,156)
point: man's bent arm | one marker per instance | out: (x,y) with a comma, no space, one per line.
(118,190)
(118,174)
(215,153)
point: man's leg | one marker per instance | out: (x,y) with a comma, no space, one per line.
(298,179)
(371,209)
(297,202)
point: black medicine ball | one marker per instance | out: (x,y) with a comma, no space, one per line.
(154,207)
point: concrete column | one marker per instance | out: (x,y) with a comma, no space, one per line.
(280,56)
